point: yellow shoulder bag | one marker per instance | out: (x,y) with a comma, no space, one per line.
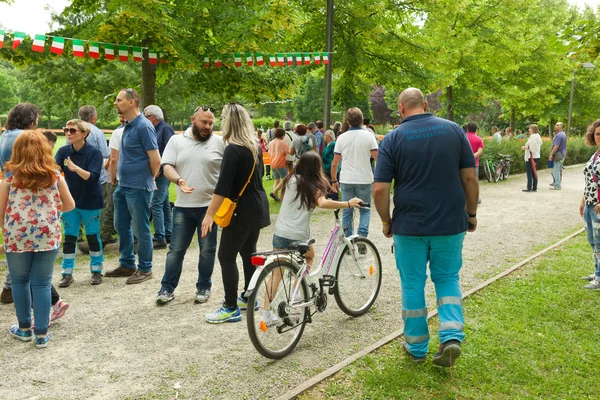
(225,212)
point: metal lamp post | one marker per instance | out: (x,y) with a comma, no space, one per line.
(586,66)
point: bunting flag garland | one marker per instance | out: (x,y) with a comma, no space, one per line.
(325,58)
(58,44)
(123,53)
(218,63)
(109,51)
(280,60)
(290,59)
(317,58)
(306,58)
(78,48)
(238,59)
(137,54)
(272,61)
(259,60)
(94,50)
(38,43)
(18,37)
(153,57)
(298,58)
(1,38)
(249,59)
(206,62)
(163,58)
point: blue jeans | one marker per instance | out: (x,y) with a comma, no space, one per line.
(557,173)
(592,225)
(363,192)
(444,254)
(132,209)
(187,221)
(161,209)
(31,272)
(71,222)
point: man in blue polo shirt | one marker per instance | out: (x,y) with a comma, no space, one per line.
(558,154)
(139,163)
(433,169)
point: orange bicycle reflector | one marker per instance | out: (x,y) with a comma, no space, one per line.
(258,261)
(263,326)
(371,270)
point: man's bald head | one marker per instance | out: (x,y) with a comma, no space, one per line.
(412,98)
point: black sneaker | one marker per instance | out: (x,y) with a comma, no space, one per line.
(168,239)
(447,353)
(159,244)
(412,356)
(362,248)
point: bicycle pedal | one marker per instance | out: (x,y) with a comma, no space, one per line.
(327,280)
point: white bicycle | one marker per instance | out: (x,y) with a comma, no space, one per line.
(287,295)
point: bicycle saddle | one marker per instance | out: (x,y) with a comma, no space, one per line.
(301,246)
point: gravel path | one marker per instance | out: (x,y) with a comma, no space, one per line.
(115,343)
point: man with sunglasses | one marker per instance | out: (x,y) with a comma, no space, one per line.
(139,163)
(161,206)
(192,162)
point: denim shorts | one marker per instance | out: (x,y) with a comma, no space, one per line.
(281,243)
(279,173)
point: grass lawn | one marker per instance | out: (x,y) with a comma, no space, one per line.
(534,334)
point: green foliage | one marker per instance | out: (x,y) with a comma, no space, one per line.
(308,103)
(264,123)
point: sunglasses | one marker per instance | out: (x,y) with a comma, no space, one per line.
(204,108)
(72,131)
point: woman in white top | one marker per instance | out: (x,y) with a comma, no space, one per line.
(532,157)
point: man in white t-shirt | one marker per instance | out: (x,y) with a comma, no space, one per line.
(115,146)
(355,149)
(192,162)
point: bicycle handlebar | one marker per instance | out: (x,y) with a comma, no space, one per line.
(504,155)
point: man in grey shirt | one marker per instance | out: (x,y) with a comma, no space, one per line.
(192,162)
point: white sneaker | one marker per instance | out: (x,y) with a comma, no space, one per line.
(202,296)
(269,318)
(595,284)
(588,278)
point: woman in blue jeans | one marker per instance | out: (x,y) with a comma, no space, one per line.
(31,200)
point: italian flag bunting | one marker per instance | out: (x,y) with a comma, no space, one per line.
(38,43)
(18,37)
(259,60)
(152,57)
(306,58)
(218,62)
(123,53)
(317,57)
(94,50)
(78,48)
(137,54)
(298,58)
(325,58)
(109,51)
(290,59)
(280,60)
(58,44)
(249,59)
(206,62)
(163,58)
(272,61)
(238,59)
(1,38)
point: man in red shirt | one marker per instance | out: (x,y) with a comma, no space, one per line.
(476,145)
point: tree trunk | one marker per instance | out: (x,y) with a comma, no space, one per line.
(512,121)
(449,109)
(148,77)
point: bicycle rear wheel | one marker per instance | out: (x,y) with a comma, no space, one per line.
(497,172)
(357,284)
(487,172)
(275,328)
(506,171)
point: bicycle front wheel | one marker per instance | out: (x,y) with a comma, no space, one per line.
(275,328)
(487,172)
(497,172)
(357,283)
(506,171)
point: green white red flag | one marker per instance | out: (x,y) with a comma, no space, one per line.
(280,60)
(218,63)
(38,43)
(298,58)
(290,59)
(249,59)
(238,59)
(109,51)
(94,50)
(1,38)
(152,57)
(272,60)
(137,54)
(78,48)
(325,58)
(123,53)
(306,58)
(18,37)
(317,57)
(58,45)
(259,60)
(206,62)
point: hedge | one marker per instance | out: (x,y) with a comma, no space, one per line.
(577,152)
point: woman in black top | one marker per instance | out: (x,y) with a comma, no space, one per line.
(251,215)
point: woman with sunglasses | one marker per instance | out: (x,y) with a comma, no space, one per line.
(241,163)
(81,164)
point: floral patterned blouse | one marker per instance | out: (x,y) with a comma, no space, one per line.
(592,171)
(32,220)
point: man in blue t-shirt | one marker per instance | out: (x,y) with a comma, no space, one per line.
(433,169)
(139,164)
(558,154)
